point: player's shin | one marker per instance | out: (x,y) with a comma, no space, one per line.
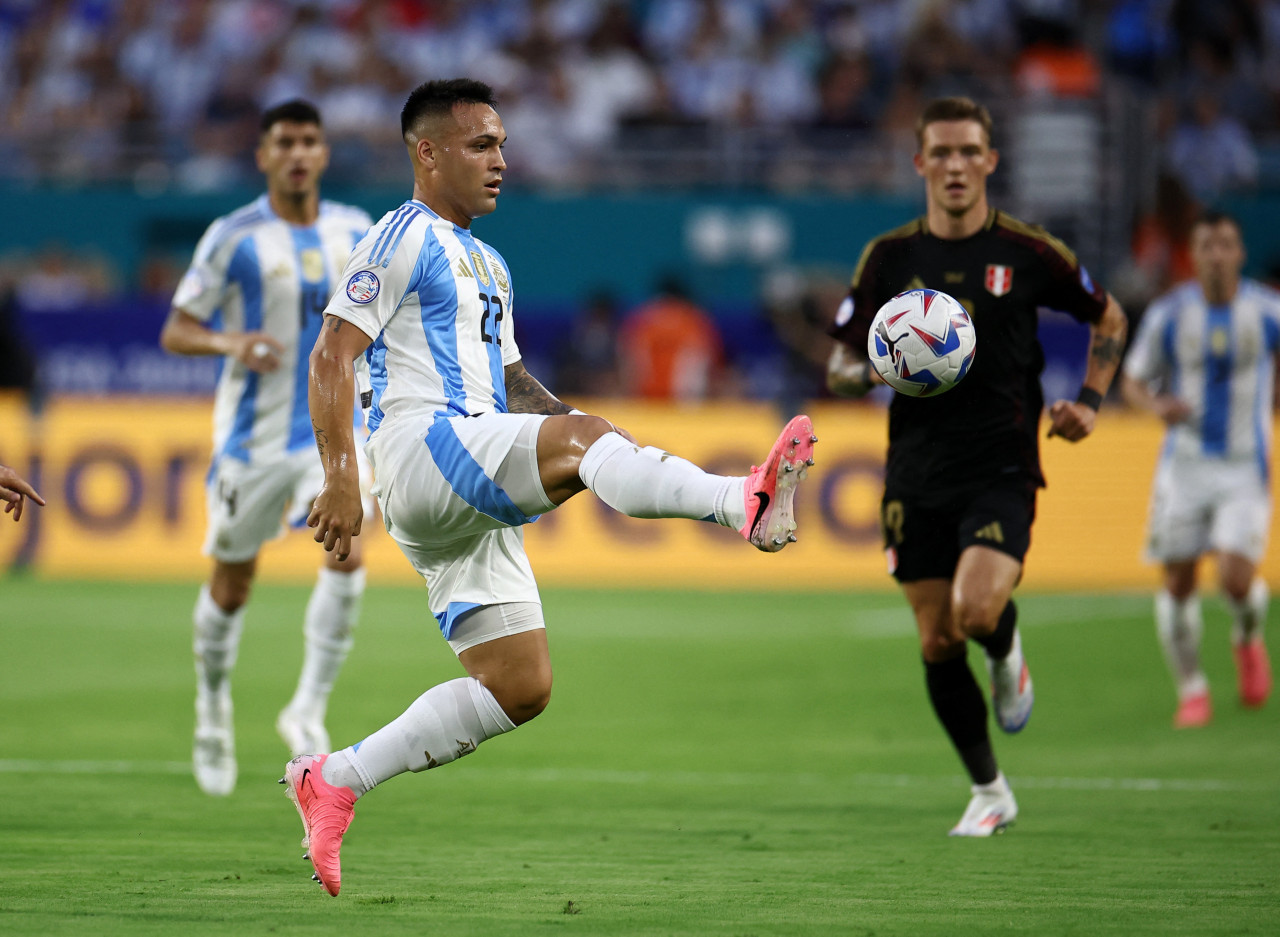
(216,642)
(960,707)
(648,482)
(1249,617)
(332,614)
(443,724)
(1179,626)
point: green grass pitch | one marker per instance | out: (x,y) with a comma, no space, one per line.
(710,765)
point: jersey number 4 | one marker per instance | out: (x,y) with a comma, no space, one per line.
(492,307)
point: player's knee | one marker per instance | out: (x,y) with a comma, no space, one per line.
(230,595)
(526,699)
(941,646)
(976,618)
(1236,584)
(586,429)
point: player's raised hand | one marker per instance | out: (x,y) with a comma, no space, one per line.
(259,352)
(336,514)
(1071,420)
(14,490)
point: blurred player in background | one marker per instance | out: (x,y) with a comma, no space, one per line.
(254,293)
(14,490)
(1204,362)
(468,448)
(963,467)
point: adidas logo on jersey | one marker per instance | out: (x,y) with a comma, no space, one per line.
(463,269)
(991,532)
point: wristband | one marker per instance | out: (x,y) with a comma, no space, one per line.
(1090,398)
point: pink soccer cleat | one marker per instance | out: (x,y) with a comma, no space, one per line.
(326,813)
(1193,712)
(769,494)
(1253,668)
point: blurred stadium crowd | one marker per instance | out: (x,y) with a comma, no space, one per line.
(1116,119)
(616,91)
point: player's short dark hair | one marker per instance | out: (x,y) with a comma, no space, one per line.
(1216,216)
(957,108)
(437,98)
(295,111)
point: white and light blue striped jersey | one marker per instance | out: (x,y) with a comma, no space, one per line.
(1219,359)
(253,271)
(436,301)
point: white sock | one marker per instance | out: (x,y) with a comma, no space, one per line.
(216,642)
(1250,616)
(651,483)
(1179,627)
(332,613)
(443,724)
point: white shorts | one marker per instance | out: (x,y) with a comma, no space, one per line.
(454,493)
(251,504)
(1208,504)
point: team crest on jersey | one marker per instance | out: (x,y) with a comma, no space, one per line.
(363,287)
(312,265)
(499,275)
(999,279)
(482,272)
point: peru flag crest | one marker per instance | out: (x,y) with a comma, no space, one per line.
(999,279)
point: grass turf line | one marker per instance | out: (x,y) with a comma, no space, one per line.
(709,764)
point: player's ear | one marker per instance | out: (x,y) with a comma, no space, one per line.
(260,156)
(918,162)
(993,160)
(425,151)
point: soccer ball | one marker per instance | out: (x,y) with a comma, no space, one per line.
(921,342)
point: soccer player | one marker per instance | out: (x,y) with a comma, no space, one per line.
(14,490)
(1203,361)
(963,468)
(254,294)
(468,447)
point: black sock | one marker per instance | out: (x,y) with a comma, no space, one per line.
(962,710)
(998,643)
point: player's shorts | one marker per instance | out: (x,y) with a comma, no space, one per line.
(925,541)
(251,504)
(1198,505)
(455,493)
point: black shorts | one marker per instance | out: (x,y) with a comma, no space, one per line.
(925,542)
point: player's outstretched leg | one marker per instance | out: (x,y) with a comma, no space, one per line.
(769,494)
(326,812)
(991,810)
(648,482)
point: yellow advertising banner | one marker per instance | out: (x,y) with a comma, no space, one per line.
(124,479)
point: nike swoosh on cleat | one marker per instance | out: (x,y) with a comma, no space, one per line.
(760,509)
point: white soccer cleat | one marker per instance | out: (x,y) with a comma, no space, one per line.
(991,809)
(213,753)
(1012,695)
(303,735)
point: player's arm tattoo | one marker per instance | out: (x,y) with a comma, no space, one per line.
(337,323)
(322,438)
(1106,349)
(526,395)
